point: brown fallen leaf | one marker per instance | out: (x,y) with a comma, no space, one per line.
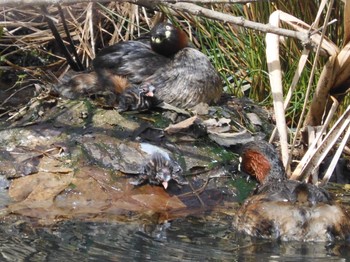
(173,129)
(39,186)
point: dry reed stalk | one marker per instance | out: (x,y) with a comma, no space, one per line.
(275,75)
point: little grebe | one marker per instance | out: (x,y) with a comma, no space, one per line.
(181,75)
(159,170)
(286,209)
(177,74)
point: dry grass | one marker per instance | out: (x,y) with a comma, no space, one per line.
(91,26)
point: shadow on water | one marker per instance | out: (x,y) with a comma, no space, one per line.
(189,239)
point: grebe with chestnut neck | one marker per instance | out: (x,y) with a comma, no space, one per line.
(285,209)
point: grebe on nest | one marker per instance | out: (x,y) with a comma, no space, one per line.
(165,66)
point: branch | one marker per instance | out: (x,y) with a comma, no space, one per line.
(240,21)
(147,3)
(188,7)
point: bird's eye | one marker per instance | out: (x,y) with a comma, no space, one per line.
(156,40)
(168,27)
(167,34)
(143,88)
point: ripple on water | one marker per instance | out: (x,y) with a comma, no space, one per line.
(189,239)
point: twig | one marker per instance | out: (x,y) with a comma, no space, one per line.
(336,157)
(313,69)
(327,144)
(187,6)
(240,21)
(321,28)
(298,72)
(194,191)
(147,3)
(14,93)
(300,169)
(199,190)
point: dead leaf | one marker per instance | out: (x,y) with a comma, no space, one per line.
(173,129)
(230,139)
(38,187)
(218,126)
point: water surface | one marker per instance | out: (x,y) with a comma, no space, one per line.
(187,239)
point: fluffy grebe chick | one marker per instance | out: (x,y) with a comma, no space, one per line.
(159,170)
(286,209)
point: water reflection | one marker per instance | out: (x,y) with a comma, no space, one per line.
(190,239)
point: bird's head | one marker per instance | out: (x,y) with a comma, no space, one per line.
(147,90)
(260,160)
(166,39)
(163,175)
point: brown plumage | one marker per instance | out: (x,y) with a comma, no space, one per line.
(287,209)
(75,85)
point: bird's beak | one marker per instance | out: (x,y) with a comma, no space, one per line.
(165,184)
(150,92)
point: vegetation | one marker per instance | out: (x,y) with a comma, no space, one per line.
(27,44)
(238,53)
